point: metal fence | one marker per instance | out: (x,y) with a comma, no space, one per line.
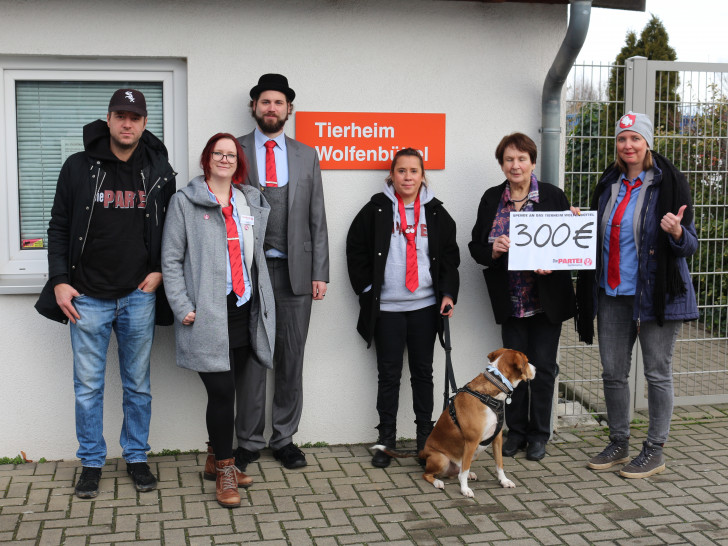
(688,103)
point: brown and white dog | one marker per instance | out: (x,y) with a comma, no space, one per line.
(455,442)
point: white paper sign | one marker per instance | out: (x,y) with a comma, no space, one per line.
(69,146)
(552,240)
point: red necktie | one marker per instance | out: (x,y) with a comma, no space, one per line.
(271,178)
(613,266)
(236,261)
(412,280)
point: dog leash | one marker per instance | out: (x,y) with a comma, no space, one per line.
(445,342)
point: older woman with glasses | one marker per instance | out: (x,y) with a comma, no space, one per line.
(529,305)
(217,283)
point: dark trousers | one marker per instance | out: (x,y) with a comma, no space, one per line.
(529,414)
(415,330)
(220,416)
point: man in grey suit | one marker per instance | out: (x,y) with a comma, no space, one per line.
(297,252)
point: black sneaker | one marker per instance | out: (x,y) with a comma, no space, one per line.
(290,456)
(650,461)
(243,458)
(87,486)
(142,477)
(536,450)
(513,444)
(617,452)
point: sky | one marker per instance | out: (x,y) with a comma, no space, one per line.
(698,30)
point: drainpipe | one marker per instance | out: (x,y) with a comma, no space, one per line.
(579,12)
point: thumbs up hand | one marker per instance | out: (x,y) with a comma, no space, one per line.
(670,223)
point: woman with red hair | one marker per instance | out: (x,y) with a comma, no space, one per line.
(216,281)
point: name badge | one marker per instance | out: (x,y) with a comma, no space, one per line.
(247,220)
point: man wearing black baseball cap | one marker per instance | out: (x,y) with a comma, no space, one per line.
(297,252)
(104,272)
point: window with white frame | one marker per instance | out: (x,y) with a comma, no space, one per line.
(45,106)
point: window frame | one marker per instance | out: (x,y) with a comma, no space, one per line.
(25,271)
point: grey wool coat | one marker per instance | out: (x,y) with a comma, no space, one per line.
(195,276)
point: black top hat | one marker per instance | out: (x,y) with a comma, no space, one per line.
(273,82)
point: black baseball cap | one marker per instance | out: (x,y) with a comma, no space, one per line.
(128,100)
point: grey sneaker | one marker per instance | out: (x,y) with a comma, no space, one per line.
(650,461)
(617,452)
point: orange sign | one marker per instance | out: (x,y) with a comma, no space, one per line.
(363,140)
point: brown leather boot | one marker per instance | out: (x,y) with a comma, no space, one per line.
(226,484)
(211,474)
(243,479)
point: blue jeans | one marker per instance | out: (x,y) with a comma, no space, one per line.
(132,318)
(617,335)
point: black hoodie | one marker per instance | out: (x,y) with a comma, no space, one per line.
(83,177)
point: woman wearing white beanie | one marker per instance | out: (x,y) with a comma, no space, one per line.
(641,287)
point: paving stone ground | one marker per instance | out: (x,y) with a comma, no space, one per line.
(341,499)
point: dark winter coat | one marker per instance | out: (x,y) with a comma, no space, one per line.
(555,290)
(367,247)
(681,306)
(73,206)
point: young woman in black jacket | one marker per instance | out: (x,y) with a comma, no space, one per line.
(402,258)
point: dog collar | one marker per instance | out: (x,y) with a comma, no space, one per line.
(494,375)
(496,372)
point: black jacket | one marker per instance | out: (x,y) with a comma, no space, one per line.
(555,291)
(73,205)
(367,247)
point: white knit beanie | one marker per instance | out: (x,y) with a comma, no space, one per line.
(639,123)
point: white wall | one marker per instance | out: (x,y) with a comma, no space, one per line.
(483,65)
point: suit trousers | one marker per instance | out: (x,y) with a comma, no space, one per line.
(529,415)
(293,314)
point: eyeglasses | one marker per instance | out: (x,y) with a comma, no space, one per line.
(218,156)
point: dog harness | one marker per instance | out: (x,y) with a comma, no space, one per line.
(498,406)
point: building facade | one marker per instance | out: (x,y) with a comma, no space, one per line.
(483,65)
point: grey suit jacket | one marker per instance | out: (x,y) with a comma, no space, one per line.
(308,237)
